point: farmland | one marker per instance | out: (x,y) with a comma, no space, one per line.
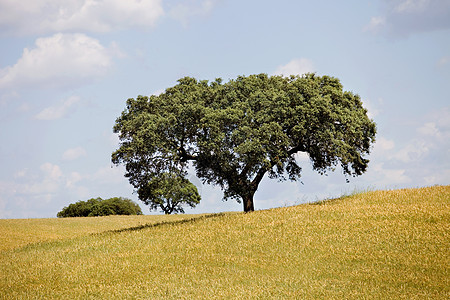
(380,245)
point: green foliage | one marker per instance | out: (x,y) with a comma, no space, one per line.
(79,209)
(235,133)
(169,191)
(98,207)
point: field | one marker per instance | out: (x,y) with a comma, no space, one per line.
(15,233)
(374,245)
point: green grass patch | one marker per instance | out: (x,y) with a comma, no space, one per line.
(374,245)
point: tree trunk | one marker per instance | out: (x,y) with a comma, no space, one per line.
(249,190)
(247,200)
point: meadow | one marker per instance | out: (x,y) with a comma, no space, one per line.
(15,233)
(372,245)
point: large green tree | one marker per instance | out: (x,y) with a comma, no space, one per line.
(237,132)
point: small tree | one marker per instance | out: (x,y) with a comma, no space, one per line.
(80,208)
(236,133)
(99,207)
(169,192)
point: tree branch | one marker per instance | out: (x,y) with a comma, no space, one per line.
(259,176)
(296,149)
(186,156)
(244,171)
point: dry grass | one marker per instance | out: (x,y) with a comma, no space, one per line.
(15,233)
(376,245)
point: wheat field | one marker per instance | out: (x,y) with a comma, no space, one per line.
(373,245)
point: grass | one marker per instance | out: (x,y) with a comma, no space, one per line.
(15,233)
(374,245)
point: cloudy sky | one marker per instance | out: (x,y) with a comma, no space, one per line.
(68,66)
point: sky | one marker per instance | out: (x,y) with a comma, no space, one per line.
(67,68)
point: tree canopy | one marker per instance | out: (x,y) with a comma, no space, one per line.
(235,133)
(169,192)
(95,207)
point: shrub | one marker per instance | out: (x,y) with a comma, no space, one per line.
(99,207)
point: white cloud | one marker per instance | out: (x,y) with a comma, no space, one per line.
(158,92)
(44,16)
(43,191)
(24,107)
(390,177)
(59,110)
(108,174)
(415,151)
(296,67)
(20,174)
(444,61)
(405,17)
(429,129)
(422,160)
(62,60)
(373,108)
(72,179)
(31,191)
(412,6)
(376,24)
(301,157)
(184,11)
(384,144)
(51,171)
(47,185)
(430,180)
(441,177)
(7,97)
(74,153)
(436,130)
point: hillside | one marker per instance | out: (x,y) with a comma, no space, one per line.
(382,245)
(15,233)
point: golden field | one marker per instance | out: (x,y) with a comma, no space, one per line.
(373,245)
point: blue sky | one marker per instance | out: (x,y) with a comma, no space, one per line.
(68,66)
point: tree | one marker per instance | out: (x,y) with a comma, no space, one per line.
(98,207)
(79,209)
(235,133)
(169,191)
(115,206)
